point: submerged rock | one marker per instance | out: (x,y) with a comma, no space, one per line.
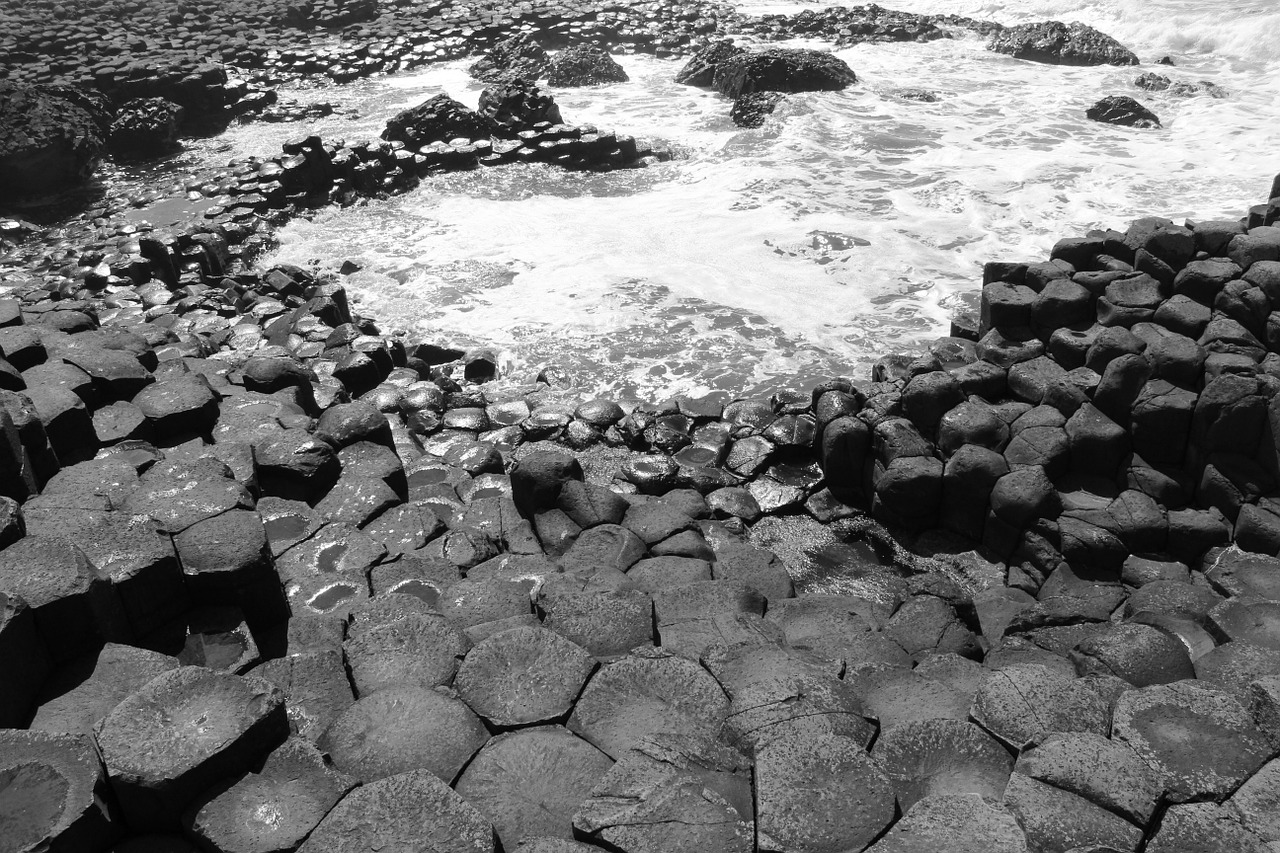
(49,138)
(1121,109)
(1154,82)
(585,65)
(782,70)
(1061,44)
(752,109)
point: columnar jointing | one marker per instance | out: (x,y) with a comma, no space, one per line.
(271,580)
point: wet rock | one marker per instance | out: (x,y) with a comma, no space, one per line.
(55,794)
(530,783)
(1121,109)
(406,810)
(183,732)
(275,808)
(672,793)
(584,65)
(942,758)
(644,694)
(1061,44)
(515,104)
(751,110)
(701,68)
(400,729)
(437,119)
(781,70)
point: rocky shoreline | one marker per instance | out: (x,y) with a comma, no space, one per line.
(274,580)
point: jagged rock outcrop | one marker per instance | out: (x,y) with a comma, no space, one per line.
(50,138)
(1061,44)
(584,65)
(780,69)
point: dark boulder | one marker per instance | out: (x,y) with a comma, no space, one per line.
(585,65)
(436,120)
(752,109)
(1061,44)
(49,139)
(1121,109)
(782,70)
(518,56)
(146,126)
(514,104)
(702,67)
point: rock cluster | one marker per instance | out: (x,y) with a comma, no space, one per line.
(243,531)
(1153,82)
(1061,44)
(756,79)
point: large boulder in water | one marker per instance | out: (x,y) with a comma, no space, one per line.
(518,56)
(1061,44)
(753,108)
(585,65)
(146,126)
(701,68)
(780,69)
(514,105)
(437,120)
(1121,109)
(50,137)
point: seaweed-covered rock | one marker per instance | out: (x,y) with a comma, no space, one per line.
(438,119)
(146,126)
(751,109)
(49,138)
(780,69)
(1121,109)
(1057,43)
(585,65)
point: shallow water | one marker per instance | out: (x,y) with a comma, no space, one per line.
(843,229)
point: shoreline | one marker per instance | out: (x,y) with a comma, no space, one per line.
(1021,592)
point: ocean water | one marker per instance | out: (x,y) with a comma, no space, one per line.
(845,228)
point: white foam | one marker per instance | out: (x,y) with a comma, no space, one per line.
(694,274)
